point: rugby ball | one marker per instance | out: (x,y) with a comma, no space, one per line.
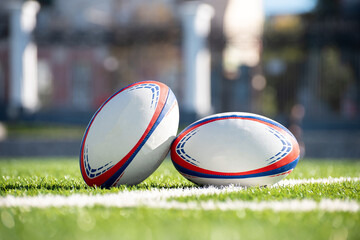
(129,135)
(235,148)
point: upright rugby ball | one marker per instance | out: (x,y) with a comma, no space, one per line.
(235,148)
(129,135)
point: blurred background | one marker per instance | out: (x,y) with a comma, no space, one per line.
(297,62)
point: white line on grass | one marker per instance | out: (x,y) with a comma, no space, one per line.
(158,198)
(114,200)
(330,180)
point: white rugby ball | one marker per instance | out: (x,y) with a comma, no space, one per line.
(129,135)
(235,148)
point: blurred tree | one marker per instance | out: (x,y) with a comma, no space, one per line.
(317,53)
(45,3)
(336,78)
(283,56)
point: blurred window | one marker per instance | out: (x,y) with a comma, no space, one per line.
(2,85)
(81,85)
(45,81)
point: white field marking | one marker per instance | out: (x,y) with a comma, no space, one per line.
(158,198)
(330,180)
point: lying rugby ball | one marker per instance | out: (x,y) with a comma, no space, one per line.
(235,148)
(129,135)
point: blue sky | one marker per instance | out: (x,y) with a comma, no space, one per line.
(275,7)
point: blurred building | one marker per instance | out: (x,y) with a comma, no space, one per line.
(89,49)
(302,70)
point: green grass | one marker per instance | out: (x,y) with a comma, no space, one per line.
(312,168)
(317,192)
(143,223)
(39,131)
(29,177)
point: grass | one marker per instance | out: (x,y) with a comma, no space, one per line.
(317,192)
(43,131)
(143,223)
(62,176)
(29,177)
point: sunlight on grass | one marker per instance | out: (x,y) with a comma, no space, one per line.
(61,176)
(35,176)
